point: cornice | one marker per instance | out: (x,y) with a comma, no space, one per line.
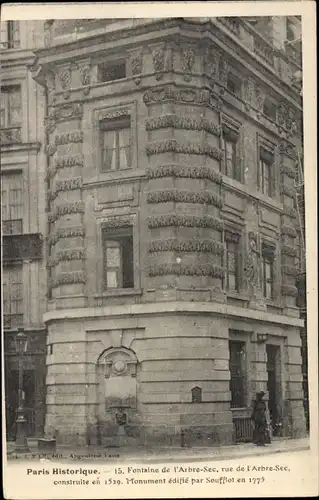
(169,29)
(253,65)
(16,57)
(181,308)
(24,146)
(107,39)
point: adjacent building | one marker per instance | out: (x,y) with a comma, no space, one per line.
(23,220)
(167,198)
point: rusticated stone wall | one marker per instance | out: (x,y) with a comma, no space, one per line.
(66,206)
(183,189)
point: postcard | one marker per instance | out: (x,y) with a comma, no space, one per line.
(159,250)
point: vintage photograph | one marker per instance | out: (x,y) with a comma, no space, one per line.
(153,238)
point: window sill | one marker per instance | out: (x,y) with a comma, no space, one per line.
(237,295)
(273,303)
(239,408)
(115,176)
(118,292)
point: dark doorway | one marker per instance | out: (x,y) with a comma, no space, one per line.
(273,387)
(11,397)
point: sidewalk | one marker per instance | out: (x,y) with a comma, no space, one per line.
(169,454)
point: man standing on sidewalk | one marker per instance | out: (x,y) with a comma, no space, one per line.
(259,419)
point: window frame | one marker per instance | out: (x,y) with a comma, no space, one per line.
(270,104)
(19,300)
(115,126)
(7,32)
(243,374)
(5,176)
(115,221)
(237,83)
(11,30)
(232,236)
(112,65)
(231,135)
(103,114)
(265,166)
(266,158)
(268,251)
(236,270)
(117,235)
(5,91)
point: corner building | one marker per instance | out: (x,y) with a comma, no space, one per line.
(171,150)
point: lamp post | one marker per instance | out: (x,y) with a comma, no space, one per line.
(21,444)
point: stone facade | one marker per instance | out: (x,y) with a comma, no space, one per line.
(149,362)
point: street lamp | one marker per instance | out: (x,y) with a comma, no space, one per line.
(21,444)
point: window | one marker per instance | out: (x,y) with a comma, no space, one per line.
(268,254)
(265,176)
(234,85)
(237,354)
(12,296)
(11,106)
(118,258)
(112,71)
(12,203)
(231,162)
(10,35)
(115,144)
(196,395)
(230,158)
(270,110)
(232,261)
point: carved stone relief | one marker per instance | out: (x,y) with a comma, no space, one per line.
(158,55)
(259,99)
(252,262)
(249,93)
(137,65)
(187,62)
(85,77)
(211,61)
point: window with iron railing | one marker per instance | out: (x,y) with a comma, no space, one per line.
(10,35)
(12,203)
(12,295)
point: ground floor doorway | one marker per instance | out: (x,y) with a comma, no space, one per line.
(34,391)
(274,388)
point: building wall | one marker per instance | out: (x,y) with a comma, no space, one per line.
(169,367)
(22,153)
(175,196)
